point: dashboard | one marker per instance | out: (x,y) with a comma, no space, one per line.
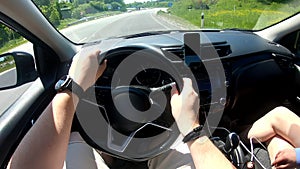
(233,70)
(238,76)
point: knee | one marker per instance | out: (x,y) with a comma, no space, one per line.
(278,115)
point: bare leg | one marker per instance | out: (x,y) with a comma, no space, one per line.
(277,144)
(280,121)
(81,155)
(178,158)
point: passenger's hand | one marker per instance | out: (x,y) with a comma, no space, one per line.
(185,107)
(285,159)
(85,69)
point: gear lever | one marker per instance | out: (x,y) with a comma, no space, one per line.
(232,142)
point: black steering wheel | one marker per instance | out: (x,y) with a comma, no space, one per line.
(129,119)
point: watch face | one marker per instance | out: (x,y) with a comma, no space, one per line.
(61,83)
(66,83)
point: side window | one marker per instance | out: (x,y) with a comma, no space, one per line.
(17,68)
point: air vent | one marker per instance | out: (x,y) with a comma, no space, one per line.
(223,49)
(176,50)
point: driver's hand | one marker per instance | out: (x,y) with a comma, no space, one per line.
(85,69)
(185,107)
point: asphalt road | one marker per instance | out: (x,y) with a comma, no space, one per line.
(8,78)
(7,97)
(119,25)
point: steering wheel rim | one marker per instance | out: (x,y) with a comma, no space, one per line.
(127,144)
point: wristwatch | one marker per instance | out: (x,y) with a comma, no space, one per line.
(67,83)
(194,134)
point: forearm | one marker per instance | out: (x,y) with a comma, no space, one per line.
(185,108)
(46,143)
(205,154)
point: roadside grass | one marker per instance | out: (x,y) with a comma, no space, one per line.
(67,22)
(63,24)
(178,21)
(7,67)
(12,44)
(246,14)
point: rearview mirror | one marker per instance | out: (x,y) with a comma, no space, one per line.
(16,69)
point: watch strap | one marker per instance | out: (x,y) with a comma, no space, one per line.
(67,83)
(75,88)
(194,134)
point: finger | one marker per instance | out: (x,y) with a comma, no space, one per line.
(187,85)
(97,52)
(278,160)
(274,163)
(103,65)
(187,81)
(74,64)
(281,162)
(174,96)
(282,166)
(174,90)
(101,68)
(101,58)
(277,156)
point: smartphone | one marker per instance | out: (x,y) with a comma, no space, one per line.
(191,47)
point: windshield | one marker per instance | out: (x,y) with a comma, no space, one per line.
(90,20)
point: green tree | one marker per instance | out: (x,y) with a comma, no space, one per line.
(116,5)
(77,13)
(57,8)
(82,1)
(108,1)
(42,2)
(99,6)
(3,35)
(76,3)
(45,10)
(54,17)
(11,34)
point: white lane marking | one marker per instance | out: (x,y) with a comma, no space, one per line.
(6,71)
(156,20)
